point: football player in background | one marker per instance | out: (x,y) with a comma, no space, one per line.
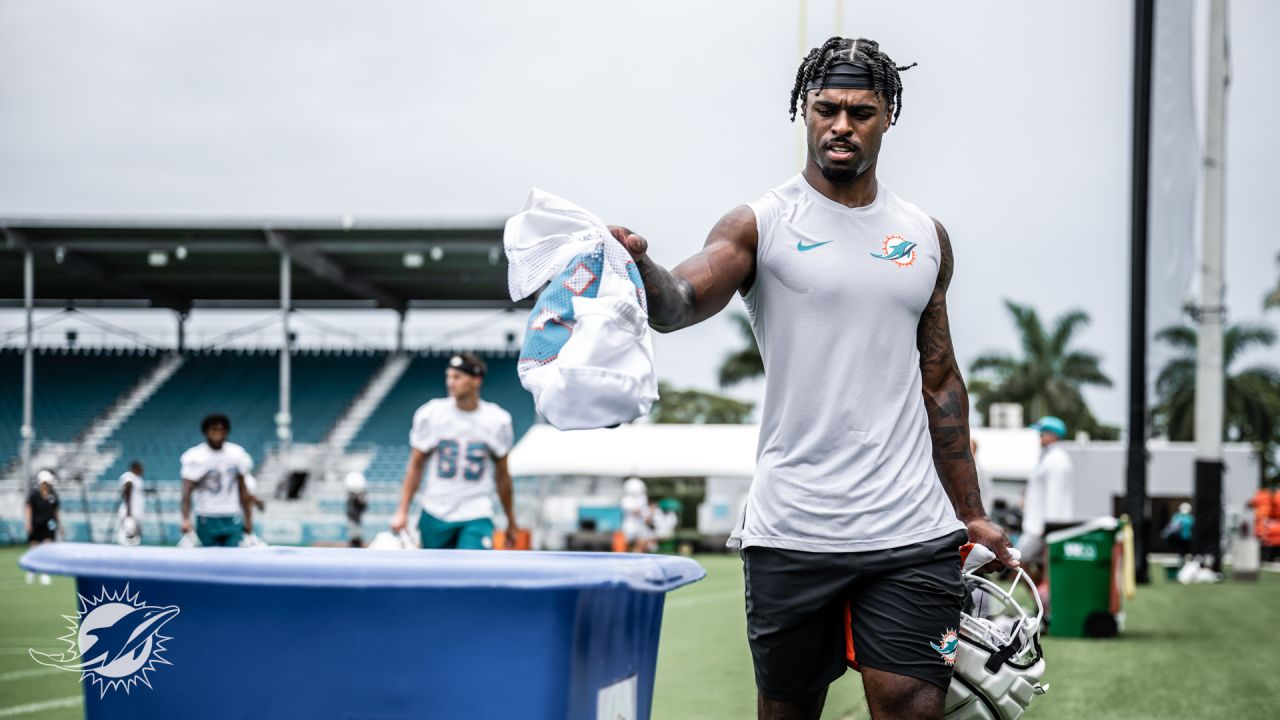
(213,475)
(462,443)
(41,516)
(132,505)
(357,503)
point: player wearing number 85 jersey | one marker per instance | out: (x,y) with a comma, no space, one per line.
(461,443)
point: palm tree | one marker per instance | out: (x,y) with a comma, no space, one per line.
(695,406)
(746,363)
(1251,397)
(1273,298)
(1048,377)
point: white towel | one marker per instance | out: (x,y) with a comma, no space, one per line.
(588,353)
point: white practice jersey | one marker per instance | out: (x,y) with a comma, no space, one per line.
(137,504)
(1048,494)
(458,483)
(845,459)
(216,474)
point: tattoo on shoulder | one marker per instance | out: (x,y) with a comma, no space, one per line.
(946,263)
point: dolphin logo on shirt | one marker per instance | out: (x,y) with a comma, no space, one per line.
(896,252)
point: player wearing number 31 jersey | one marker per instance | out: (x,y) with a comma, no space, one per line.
(459,447)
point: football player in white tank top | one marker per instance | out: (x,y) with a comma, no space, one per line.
(865,484)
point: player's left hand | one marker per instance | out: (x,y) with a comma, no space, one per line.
(510,536)
(984,531)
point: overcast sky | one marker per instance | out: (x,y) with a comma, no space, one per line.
(661,115)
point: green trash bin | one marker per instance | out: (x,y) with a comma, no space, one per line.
(1082,580)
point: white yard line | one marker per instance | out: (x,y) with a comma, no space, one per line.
(719,596)
(33,672)
(17,710)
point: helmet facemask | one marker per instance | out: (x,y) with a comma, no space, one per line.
(999,661)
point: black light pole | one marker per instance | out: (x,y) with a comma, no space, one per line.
(1135,500)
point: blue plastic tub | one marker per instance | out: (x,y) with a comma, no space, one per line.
(347,633)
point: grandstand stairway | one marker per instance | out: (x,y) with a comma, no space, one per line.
(345,429)
(71,385)
(329,461)
(106,424)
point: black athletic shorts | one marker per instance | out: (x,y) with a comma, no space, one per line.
(811,615)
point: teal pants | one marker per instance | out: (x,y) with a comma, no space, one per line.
(219,530)
(466,535)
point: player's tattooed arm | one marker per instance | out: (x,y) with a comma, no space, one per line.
(702,285)
(946,403)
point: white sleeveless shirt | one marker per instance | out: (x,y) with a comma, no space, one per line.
(845,460)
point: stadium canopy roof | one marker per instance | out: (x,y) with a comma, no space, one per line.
(190,262)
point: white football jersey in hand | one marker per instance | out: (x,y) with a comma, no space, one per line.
(587,357)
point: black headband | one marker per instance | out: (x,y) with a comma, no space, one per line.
(457,362)
(844,74)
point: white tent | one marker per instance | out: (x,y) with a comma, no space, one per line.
(642,450)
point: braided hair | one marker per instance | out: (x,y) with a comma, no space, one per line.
(884,73)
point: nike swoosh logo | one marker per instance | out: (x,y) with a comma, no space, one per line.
(802,247)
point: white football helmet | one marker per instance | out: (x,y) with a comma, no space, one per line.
(251,540)
(387,540)
(128,532)
(999,663)
(634,486)
(355,482)
(189,540)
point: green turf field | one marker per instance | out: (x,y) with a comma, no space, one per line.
(1206,651)
(1188,652)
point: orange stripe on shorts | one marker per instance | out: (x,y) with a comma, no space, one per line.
(849,655)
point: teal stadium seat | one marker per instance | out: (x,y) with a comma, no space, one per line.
(243,385)
(72,388)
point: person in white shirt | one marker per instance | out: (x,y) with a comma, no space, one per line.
(213,476)
(1047,497)
(462,443)
(132,504)
(865,487)
(637,516)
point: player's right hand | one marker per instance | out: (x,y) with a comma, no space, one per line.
(186,525)
(634,244)
(399,521)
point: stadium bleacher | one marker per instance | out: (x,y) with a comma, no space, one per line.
(243,386)
(73,387)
